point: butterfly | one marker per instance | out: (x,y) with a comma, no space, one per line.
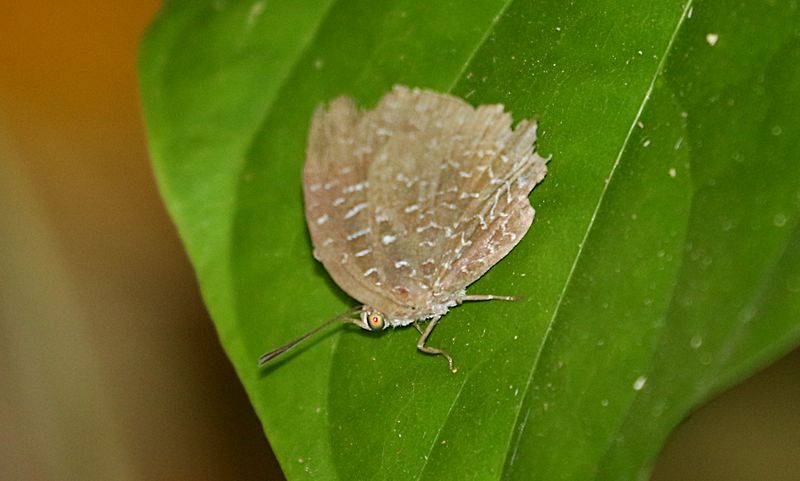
(411,202)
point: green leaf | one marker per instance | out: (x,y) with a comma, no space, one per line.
(662,267)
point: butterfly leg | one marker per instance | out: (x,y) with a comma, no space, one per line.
(433,350)
(419,329)
(488,297)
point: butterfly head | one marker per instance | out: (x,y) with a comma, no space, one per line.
(371,320)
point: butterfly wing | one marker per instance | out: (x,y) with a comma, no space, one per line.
(409,203)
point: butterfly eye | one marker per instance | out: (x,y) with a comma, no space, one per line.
(375,321)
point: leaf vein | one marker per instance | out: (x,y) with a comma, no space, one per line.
(659,68)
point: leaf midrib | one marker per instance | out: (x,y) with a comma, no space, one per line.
(589,227)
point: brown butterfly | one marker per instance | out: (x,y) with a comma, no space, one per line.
(413,201)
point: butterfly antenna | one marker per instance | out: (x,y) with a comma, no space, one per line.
(268,356)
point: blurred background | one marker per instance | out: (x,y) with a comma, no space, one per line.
(109,365)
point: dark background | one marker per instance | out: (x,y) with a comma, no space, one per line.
(109,364)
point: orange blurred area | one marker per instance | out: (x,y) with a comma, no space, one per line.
(110,366)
